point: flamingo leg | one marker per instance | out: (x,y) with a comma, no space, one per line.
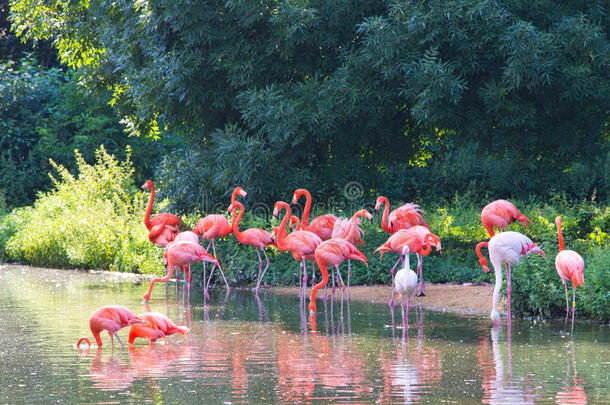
(573,306)
(565,287)
(313,274)
(340,280)
(349,272)
(420,273)
(265,270)
(119,339)
(408,304)
(509,290)
(393,288)
(219,268)
(402,307)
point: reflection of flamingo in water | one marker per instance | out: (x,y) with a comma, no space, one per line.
(110,374)
(573,393)
(498,388)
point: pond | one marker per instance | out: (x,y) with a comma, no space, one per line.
(241,349)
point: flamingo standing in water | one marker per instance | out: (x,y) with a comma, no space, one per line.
(163,227)
(212,227)
(111,318)
(501,213)
(403,217)
(155,326)
(406,283)
(407,237)
(181,253)
(509,248)
(259,238)
(349,230)
(302,244)
(570,266)
(332,252)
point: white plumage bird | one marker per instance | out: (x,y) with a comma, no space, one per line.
(406,284)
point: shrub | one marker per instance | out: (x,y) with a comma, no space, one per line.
(90,221)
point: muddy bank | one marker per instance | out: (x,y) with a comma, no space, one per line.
(475,299)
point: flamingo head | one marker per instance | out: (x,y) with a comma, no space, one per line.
(147,184)
(558,221)
(146,298)
(239,191)
(378,203)
(297,194)
(366,214)
(278,206)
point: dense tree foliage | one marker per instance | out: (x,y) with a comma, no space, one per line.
(46,114)
(509,97)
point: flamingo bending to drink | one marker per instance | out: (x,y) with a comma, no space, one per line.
(155,326)
(111,318)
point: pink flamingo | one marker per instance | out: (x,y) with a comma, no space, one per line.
(569,265)
(332,252)
(412,239)
(111,318)
(321,225)
(508,248)
(181,253)
(155,326)
(259,238)
(212,227)
(501,213)
(163,227)
(403,217)
(349,230)
(302,244)
(423,232)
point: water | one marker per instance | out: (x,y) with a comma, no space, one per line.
(242,350)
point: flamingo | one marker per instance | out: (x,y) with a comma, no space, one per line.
(403,217)
(155,326)
(186,269)
(332,252)
(321,225)
(111,318)
(212,227)
(423,232)
(181,253)
(411,238)
(406,283)
(501,213)
(259,238)
(569,265)
(163,226)
(349,230)
(302,244)
(509,248)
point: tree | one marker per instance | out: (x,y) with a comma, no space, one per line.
(322,93)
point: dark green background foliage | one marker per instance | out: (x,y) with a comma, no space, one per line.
(509,97)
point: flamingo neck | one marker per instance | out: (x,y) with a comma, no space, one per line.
(352,222)
(559,235)
(384,217)
(427,245)
(149,208)
(236,219)
(98,338)
(281,235)
(305,217)
(482,260)
(322,283)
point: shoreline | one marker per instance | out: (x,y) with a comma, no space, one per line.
(457,298)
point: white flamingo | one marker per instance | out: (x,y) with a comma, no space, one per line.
(406,284)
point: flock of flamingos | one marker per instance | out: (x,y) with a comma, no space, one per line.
(326,241)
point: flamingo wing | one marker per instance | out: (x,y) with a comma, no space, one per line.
(257,237)
(323,226)
(570,265)
(302,242)
(165,218)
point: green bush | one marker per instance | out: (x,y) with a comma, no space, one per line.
(90,221)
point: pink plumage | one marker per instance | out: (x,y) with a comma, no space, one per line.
(570,266)
(403,217)
(155,326)
(501,213)
(321,225)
